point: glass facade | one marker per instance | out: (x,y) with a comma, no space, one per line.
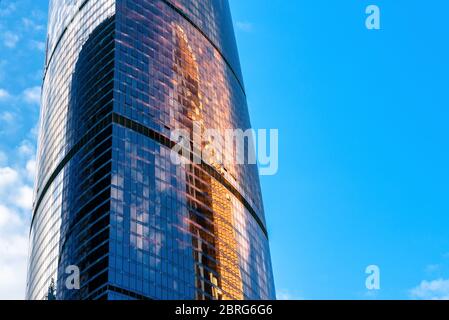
(120,76)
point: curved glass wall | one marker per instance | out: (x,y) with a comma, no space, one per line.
(70,25)
(120,76)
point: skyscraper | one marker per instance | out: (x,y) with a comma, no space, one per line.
(120,76)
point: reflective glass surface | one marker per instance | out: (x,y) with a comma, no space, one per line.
(120,75)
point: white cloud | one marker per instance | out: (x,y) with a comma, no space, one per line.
(24,198)
(38,15)
(31,169)
(38,45)
(8,218)
(13,253)
(30,24)
(8,122)
(431,290)
(7,117)
(244,26)
(34,132)
(26,148)
(4,95)
(287,295)
(13,259)
(10,39)
(10,8)
(11,285)
(13,273)
(16,195)
(8,177)
(32,95)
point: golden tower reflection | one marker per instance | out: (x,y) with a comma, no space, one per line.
(217,269)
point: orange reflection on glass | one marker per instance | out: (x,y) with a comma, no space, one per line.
(217,269)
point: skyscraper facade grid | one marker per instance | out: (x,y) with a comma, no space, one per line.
(120,76)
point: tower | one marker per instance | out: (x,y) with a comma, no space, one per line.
(120,76)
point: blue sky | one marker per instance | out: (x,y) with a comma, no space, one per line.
(22,39)
(364,156)
(362,118)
